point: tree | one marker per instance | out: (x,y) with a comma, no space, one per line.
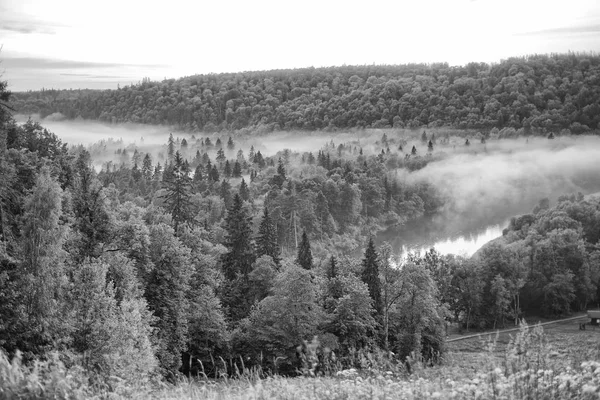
(240,254)
(370,275)
(227,169)
(259,160)
(237,169)
(93,222)
(351,318)
(332,268)
(430,147)
(418,324)
(230,144)
(266,241)
(177,198)
(166,293)
(114,336)
(170,148)
(413,151)
(304,257)
(282,321)
(244,191)
(147,168)
(43,268)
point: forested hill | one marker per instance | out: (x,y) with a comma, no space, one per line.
(538,92)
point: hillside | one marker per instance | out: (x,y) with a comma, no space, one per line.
(536,93)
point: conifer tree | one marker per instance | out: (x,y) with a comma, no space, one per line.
(244,191)
(240,255)
(166,293)
(370,275)
(230,144)
(430,147)
(227,169)
(225,193)
(413,151)
(332,268)
(304,258)
(177,198)
(198,174)
(170,148)
(214,174)
(259,160)
(92,220)
(147,167)
(266,241)
(237,169)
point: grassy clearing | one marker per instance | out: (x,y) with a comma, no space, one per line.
(558,363)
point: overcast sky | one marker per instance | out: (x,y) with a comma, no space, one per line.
(97,44)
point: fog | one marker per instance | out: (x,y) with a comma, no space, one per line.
(483,185)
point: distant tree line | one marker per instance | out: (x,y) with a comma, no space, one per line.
(538,93)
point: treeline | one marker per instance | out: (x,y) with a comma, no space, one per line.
(538,93)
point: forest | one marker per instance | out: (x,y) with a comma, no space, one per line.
(221,258)
(539,93)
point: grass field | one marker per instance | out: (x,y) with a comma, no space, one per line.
(558,361)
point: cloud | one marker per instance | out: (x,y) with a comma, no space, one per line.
(49,63)
(583,29)
(93,76)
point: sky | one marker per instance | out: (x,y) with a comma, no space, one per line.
(102,44)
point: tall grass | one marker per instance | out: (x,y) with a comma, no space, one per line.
(527,368)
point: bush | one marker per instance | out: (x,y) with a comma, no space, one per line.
(48,379)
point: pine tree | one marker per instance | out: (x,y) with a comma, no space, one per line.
(225,193)
(304,258)
(237,261)
(220,157)
(230,144)
(259,160)
(147,167)
(244,191)
(424,137)
(198,174)
(177,198)
(430,147)
(413,151)
(170,148)
(227,169)
(237,169)
(92,220)
(214,174)
(240,255)
(332,268)
(166,293)
(266,241)
(370,275)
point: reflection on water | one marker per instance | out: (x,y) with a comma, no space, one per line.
(464,245)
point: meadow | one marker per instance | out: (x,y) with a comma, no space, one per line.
(559,362)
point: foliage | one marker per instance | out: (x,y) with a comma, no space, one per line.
(539,92)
